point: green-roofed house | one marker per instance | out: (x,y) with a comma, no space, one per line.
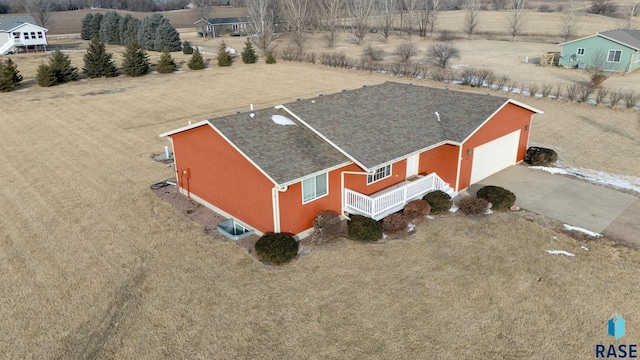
(616,50)
(21,33)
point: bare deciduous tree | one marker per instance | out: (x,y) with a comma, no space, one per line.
(39,9)
(569,28)
(428,16)
(412,7)
(298,14)
(603,7)
(262,22)
(442,53)
(632,11)
(330,12)
(518,18)
(406,51)
(360,11)
(387,17)
(471,17)
(498,4)
(601,67)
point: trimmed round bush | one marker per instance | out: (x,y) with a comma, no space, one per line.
(417,209)
(327,226)
(538,156)
(277,248)
(472,205)
(395,223)
(363,228)
(500,198)
(439,200)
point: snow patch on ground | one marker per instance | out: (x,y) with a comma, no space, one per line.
(453,209)
(430,217)
(597,177)
(584,231)
(411,227)
(560,252)
(584,248)
(488,212)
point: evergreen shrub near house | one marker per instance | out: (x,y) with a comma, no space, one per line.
(136,60)
(276,248)
(59,70)
(196,62)
(166,64)
(439,200)
(417,209)
(270,58)
(327,226)
(499,197)
(538,156)
(472,205)
(85,29)
(9,75)
(224,58)
(187,49)
(363,228)
(128,28)
(395,222)
(98,62)
(249,53)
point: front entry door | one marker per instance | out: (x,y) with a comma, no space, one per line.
(412,165)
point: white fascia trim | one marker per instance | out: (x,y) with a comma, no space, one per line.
(25,24)
(509,101)
(328,170)
(619,42)
(404,157)
(206,122)
(582,38)
(282,107)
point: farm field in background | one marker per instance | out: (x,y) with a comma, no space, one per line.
(94,265)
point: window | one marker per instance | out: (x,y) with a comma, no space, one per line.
(39,34)
(26,36)
(33,35)
(16,35)
(379,174)
(614,56)
(314,187)
(580,51)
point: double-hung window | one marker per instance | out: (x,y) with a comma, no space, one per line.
(379,174)
(580,51)
(314,187)
(614,56)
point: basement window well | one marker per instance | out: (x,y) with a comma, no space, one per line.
(234,230)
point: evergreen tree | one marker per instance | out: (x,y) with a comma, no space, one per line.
(136,60)
(196,62)
(85,32)
(9,76)
(187,48)
(166,64)
(45,76)
(224,58)
(167,37)
(270,58)
(61,67)
(129,27)
(97,62)
(110,28)
(147,32)
(249,53)
(96,22)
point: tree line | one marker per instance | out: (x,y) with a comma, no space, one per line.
(20,6)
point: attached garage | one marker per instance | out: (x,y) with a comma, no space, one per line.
(494,156)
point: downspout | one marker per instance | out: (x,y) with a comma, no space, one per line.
(276,206)
(342,173)
(631,61)
(459,165)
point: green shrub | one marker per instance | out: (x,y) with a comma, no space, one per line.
(249,54)
(327,226)
(276,248)
(187,48)
(45,76)
(362,228)
(270,58)
(500,198)
(9,75)
(538,156)
(439,200)
(196,62)
(417,209)
(395,223)
(224,58)
(473,206)
(166,64)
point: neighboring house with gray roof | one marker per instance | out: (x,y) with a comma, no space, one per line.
(615,50)
(21,33)
(365,151)
(216,27)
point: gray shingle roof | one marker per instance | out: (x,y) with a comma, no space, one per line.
(629,37)
(378,124)
(8,22)
(286,153)
(231,20)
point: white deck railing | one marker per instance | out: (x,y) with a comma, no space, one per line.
(393,198)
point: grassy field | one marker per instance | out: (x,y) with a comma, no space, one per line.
(93,265)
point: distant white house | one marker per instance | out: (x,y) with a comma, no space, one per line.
(20,33)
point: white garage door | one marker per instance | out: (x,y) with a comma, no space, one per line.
(494,156)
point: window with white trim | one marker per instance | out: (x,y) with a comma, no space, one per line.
(580,51)
(26,35)
(314,187)
(16,36)
(39,34)
(614,56)
(379,174)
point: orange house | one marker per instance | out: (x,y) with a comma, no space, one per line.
(367,151)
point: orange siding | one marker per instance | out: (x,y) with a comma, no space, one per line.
(443,160)
(359,182)
(508,120)
(221,176)
(296,217)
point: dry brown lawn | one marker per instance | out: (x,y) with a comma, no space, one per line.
(93,265)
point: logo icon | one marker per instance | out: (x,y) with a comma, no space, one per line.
(615,327)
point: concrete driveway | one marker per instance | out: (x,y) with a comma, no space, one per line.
(572,201)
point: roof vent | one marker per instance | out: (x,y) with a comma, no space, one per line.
(282,120)
(343,90)
(322,94)
(437,115)
(300,99)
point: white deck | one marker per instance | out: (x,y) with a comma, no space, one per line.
(393,198)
